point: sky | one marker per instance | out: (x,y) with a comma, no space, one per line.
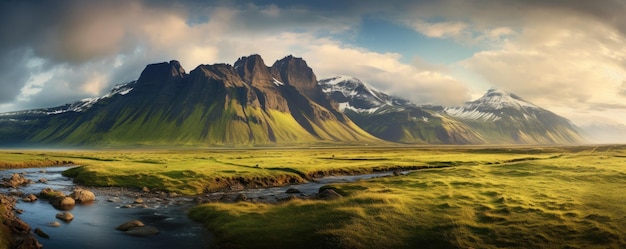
(568,56)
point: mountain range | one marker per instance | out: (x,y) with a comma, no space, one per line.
(250,103)
(498,117)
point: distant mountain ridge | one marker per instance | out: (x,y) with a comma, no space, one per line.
(250,103)
(497,117)
(503,117)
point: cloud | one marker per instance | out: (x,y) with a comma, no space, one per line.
(426,84)
(440,29)
(571,63)
(14,73)
(622,89)
(555,53)
(86,47)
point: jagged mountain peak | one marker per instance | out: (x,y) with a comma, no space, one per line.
(253,71)
(250,62)
(353,94)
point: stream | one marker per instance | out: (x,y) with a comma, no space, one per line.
(94,224)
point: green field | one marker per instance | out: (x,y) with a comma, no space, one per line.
(483,197)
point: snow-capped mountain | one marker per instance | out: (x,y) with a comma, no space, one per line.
(78,106)
(496,117)
(504,117)
(494,105)
(392,118)
(355,95)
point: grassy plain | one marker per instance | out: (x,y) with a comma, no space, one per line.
(485,197)
(492,198)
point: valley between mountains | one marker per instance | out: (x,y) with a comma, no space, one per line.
(252,104)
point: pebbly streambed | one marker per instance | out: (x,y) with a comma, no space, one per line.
(94,224)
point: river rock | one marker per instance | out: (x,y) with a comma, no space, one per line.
(48,193)
(82,195)
(114,199)
(289,198)
(42,180)
(328,194)
(30,198)
(130,225)
(15,180)
(41,233)
(292,191)
(18,225)
(53,224)
(14,227)
(172,195)
(142,231)
(138,201)
(15,192)
(65,216)
(63,203)
(241,197)
(145,189)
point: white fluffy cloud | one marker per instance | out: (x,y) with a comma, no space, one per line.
(574,64)
(92,51)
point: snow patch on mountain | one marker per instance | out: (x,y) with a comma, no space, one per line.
(491,106)
(358,96)
(346,106)
(471,114)
(348,87)
(276,82)
(78,106)
(498,99)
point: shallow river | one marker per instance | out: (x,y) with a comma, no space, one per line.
(94,224)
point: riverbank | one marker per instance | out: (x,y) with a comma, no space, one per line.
(14,233)
(94,223)
(195,172)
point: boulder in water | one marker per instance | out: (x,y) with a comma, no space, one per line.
(142,231)
(15,180)
(53,224)
(292,191)
(48,193)
(130,225)
(41,233)
(63,203)
(29,198)
(65,216)
(82,195)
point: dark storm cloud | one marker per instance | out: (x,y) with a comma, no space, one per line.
(14,74)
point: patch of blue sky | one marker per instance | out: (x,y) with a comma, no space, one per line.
(382,36)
